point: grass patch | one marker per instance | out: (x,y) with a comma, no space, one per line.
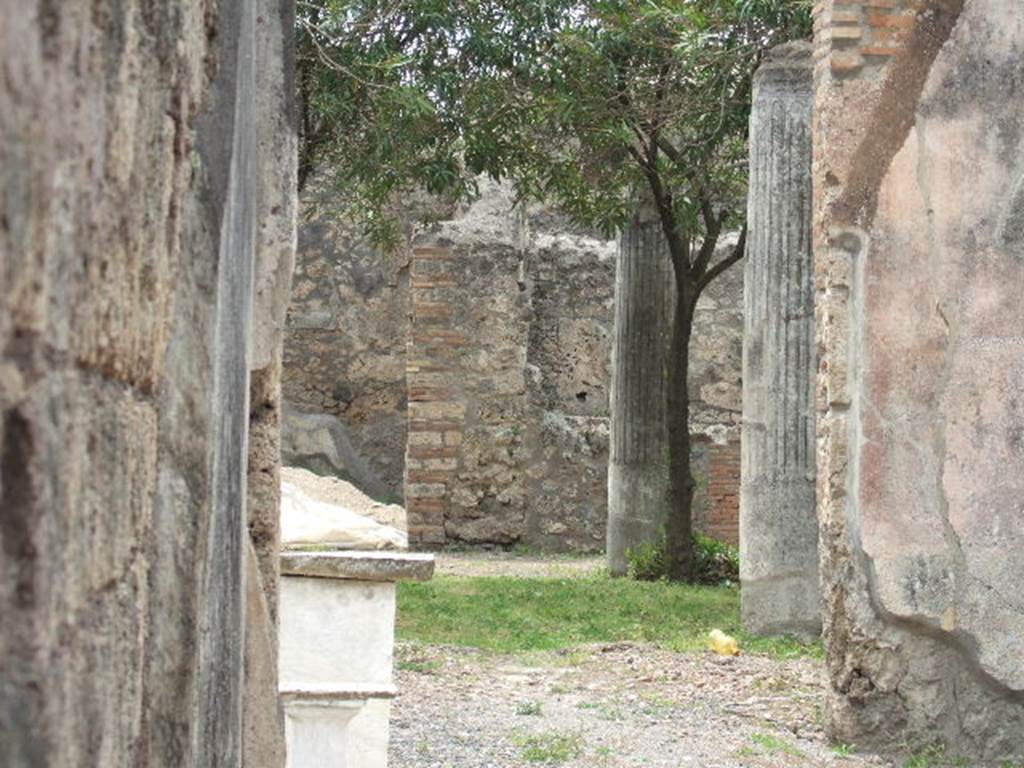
(658,706)
(550,747)
(844,750)
(516,615)
(775,745)
(934,756)
(428,667)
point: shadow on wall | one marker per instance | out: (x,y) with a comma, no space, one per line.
(321,443)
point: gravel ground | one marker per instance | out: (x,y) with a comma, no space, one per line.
(499,563)
(613,706)
(607,707)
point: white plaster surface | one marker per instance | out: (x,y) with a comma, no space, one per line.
(336,632)
(318,735)
(368,735)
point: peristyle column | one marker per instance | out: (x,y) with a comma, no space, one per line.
(638,489)
(778,525)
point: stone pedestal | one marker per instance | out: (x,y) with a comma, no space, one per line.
(778,524)
(337,643)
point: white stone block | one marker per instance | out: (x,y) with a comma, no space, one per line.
(317,733)
(336,632)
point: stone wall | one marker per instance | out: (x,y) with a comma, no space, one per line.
(347,327)
(917,224)
(508,374)
(520,325)
(507,381)
(716,355)
(129,143)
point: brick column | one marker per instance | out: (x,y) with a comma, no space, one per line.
(436,401)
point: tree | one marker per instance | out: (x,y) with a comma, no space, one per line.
(589,105)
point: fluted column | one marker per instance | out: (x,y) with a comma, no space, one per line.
(638,489)
(778,524)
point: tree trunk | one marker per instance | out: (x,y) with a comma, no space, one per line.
(679,527)
(638,471)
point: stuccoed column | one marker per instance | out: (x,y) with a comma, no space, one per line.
(778,524)
(638,462)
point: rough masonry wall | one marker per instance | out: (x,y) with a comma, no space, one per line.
(569,274)
(507,379)
(345,367)
(716,404)
(919,183)
(344,352)
(508,382)
(128,146)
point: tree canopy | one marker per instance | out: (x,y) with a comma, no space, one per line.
(577,103)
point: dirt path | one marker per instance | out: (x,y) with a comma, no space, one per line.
(623,705)
(607,707)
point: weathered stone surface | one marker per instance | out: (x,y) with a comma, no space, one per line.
(277,204)
(918,167)
(716,356)
(347,327)
(321,443)
(276,210)
(128,143)
(262,714)
(778,522)
(638,470)
(360,566)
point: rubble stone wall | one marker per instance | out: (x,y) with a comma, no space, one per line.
(347,324)
(508,379)
(918,215)
(518,330)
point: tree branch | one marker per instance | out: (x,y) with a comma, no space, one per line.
(724,264)
(712,229)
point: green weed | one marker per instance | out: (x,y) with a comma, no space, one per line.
(843,750)
(714,561)
(552,747)
(934,756)
(774,745)
(529,708)
(423,667)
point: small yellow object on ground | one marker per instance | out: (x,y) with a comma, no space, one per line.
(723,644)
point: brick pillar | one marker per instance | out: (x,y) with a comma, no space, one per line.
(436,401)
